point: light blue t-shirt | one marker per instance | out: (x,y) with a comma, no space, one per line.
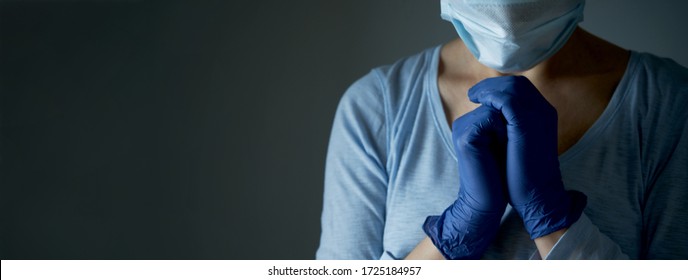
(390,164)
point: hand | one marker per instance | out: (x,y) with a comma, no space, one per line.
(534,183)
(467,227)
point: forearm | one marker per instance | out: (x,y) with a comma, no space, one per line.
(425,250)
(584,241)
(545,243)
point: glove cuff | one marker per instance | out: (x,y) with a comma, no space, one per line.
(433,229)
(540,221)
(462,240)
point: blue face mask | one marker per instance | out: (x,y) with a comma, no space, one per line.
(513,35)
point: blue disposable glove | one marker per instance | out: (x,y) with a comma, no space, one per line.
(534,183)
(467,227)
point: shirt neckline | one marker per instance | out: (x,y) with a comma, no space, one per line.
(610,111)
(433,92)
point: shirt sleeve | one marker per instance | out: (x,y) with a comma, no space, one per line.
(353,215)
(665,215)
(584,241)
(665,153)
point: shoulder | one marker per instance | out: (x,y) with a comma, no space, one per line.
(664,75)
(657,90)
(659,86)
(383,89)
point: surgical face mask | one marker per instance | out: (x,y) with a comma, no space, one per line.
(513,35)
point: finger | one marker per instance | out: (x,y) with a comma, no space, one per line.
(480,129)
(511,95)
(480,144)
(495,93)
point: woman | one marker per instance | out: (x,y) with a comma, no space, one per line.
(565,146)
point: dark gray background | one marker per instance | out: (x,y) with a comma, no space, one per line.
(162,130)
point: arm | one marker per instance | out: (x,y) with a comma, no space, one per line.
(582,241)
(665,215)
(425,250)
(354,198)
(545,243)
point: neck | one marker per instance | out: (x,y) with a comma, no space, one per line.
(577,58)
